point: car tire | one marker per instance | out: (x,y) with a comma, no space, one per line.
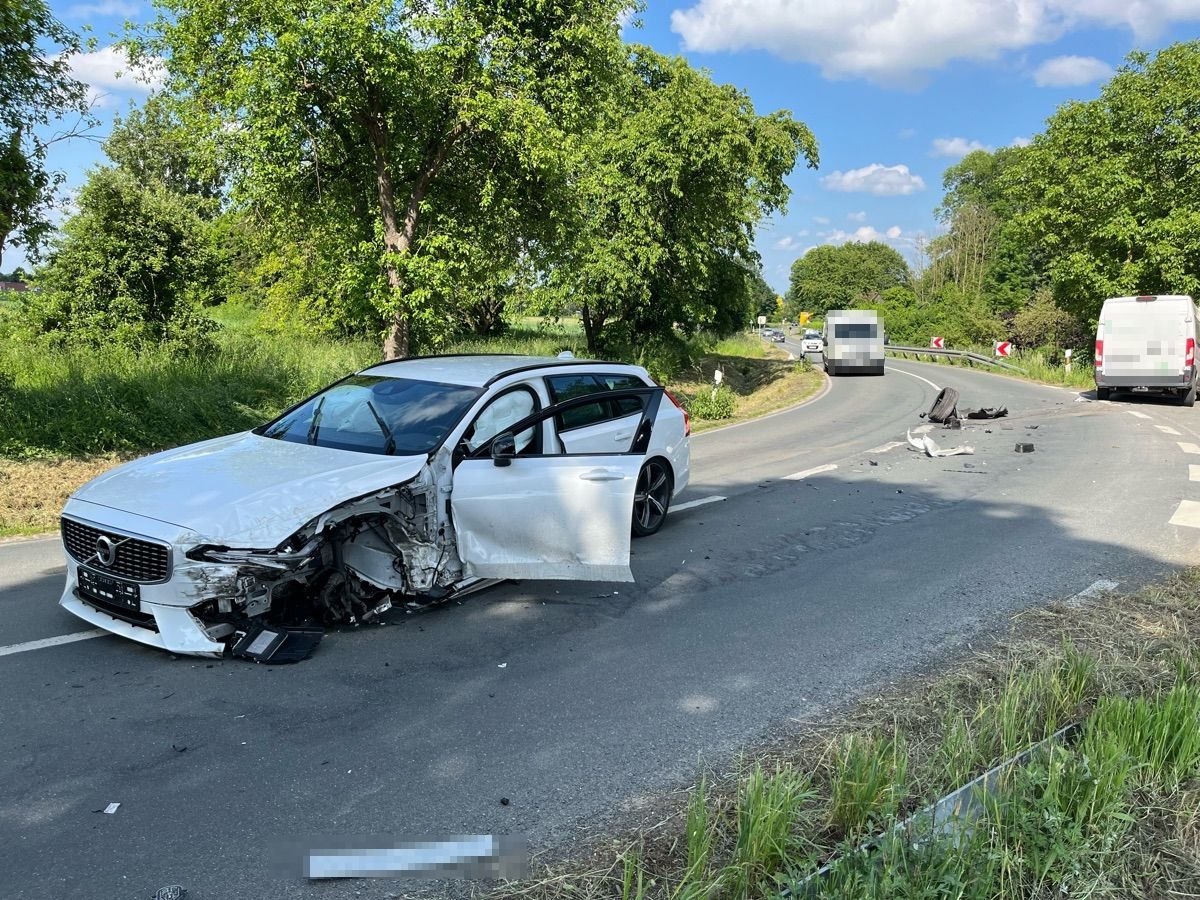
(1188,397)
(652,497)
(1103,393)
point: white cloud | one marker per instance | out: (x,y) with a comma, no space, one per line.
(784,243)
(1071,71)
(857,216)
(109,70)
(104,8)
(894,42)
(821,220)
(863,235)
(1020,142)
(956,147)
(906,133)
(884,181)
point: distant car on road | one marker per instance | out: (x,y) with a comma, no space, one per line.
(811,342)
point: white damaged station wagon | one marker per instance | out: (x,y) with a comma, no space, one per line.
(408,482)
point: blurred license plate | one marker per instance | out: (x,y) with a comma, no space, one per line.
(111,590)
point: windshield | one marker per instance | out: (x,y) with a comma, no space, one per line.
(374,414)
(855,330)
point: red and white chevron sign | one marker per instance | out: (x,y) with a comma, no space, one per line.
(1003,348)
(937,343)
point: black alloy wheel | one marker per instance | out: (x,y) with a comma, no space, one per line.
(651,498)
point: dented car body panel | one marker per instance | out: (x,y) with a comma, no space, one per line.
(527,468)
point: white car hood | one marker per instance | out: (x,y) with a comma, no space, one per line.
(245,490)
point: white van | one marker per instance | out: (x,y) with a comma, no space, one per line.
(1148,344)
(853,341)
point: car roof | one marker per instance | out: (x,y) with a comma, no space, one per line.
(475,370)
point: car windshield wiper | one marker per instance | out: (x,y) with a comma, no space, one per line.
(390,447)
(314,427)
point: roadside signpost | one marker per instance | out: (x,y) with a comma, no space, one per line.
(937,343)
(1003,348)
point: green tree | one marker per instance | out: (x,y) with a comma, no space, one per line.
(132,266)
(152,144)
(1109,195)
(853,274)
(36,87)
(668,192)
(396,122)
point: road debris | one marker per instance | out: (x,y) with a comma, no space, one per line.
(170,892)
(1024,448)
(988,412)
(945,407)
(278,644)
(925,444)
(111,808)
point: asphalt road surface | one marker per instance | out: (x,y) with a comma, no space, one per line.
(816,577)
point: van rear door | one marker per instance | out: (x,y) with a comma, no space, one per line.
(1145,337)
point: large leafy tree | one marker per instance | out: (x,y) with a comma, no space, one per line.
(843,277)
(1109,194)
(979,254)
(406,125)
(36,88)
(668,192)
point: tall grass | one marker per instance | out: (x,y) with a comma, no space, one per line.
(79,402)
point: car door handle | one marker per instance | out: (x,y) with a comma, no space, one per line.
(602,475)
(623,436)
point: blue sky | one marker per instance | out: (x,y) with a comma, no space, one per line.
(894,90)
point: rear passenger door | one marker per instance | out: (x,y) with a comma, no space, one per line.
(606,426)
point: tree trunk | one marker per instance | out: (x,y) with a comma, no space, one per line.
(592,323)
(398,236)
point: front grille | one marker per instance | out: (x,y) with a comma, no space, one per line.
(137,559)
(117,611)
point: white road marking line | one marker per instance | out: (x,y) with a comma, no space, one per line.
(1187,514)
(692,504)
(922,429)
(52,642)
(797,476)
(884,448)
(1140,415)
(1193,473)
(914,375)
(1188,448)
(1100,586)
(1166,429)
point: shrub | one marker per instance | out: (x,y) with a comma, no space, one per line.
(719,403)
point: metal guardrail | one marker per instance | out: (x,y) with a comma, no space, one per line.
(951,354)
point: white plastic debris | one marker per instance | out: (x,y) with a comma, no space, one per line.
(926,445)
(112,808)
(501,665)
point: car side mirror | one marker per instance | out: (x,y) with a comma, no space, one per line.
(504,448)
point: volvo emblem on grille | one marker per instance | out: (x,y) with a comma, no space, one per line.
(106,550)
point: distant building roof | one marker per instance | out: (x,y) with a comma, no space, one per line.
(13,286)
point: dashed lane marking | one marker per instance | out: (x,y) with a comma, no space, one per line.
(51,642)
(798,476)
(1167,429)
(884,448)
(1187,514)
(692,504)
(1188,448)
(1193,473)
(1140,415)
